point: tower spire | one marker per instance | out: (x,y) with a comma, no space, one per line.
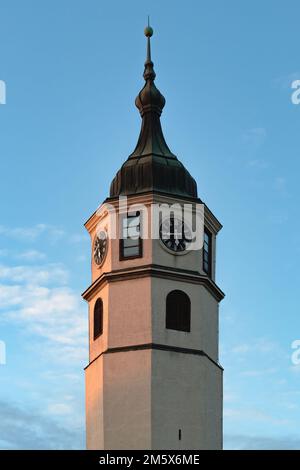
(152,166)
(149,73)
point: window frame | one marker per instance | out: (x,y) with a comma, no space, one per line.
(122,257)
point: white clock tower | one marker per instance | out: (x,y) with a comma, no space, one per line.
(153,380)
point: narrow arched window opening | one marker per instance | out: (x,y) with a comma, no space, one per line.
(178,311)
(98,318)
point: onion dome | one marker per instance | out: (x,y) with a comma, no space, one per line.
(152,167)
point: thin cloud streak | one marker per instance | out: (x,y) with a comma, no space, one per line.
(30,429)
(244,442)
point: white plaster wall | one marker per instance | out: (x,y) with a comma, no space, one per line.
(94,405)
(204,317)
(140,399)
(129,312)
(186,395)
(100,344)
(127,400)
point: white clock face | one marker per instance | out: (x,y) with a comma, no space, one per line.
(175,235)
(100,247)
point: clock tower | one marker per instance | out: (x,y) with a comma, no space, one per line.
(153,380)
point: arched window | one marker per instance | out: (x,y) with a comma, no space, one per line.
(98,318)
(178,311)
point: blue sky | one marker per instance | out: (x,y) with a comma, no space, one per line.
(72,71)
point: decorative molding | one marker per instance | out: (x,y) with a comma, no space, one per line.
(158,347)
(158,271)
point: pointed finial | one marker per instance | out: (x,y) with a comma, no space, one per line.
(149,100)
(149,72)
(148,30)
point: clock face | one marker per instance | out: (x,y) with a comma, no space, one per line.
(175,235)
(100,247)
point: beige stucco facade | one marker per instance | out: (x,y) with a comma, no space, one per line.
(148,387)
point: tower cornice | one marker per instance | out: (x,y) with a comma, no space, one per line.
(157,347)
(151,197)
(152,270)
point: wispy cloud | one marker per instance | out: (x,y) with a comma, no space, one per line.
(32,233)
(259,372)
(295,369)
(259,163)
(252,140)
(280,184)
(278,218)
(38,299)
(31,255)
(34,275)
(60,409)
(59,377)
(244,442)
(81,258)
(241,348)
(30,429)
(229,397)
(79,238)
(246,414)
(260,345)
(255,136)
